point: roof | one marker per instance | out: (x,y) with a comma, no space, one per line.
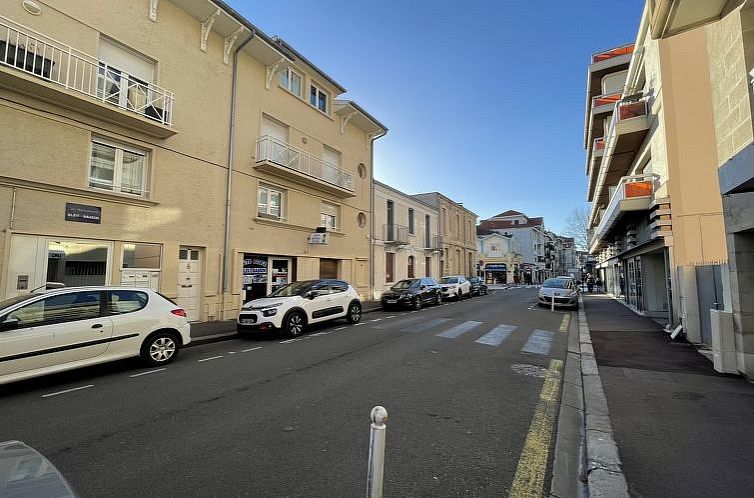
(432,198)
(510,212)
(480,230)
(505,224)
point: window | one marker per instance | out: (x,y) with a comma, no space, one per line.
(118,169)
(123,78)
(318,98)
(291,81)
(125,301)
(270,203)
(410,267)
(329,216)
(61,308)
(389,262)
(141,256)
(411,221)
(428,266)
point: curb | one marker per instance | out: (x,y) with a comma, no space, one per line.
(603,470)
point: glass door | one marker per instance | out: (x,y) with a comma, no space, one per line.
(279,276)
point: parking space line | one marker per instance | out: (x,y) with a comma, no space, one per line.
(340,328)
(288,341)
(148,372)
(357,324)
(67,391)
(251,349)
(376,320)
(212,358)
(391,316)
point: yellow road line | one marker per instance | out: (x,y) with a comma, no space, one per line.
(565,323)
(529,480)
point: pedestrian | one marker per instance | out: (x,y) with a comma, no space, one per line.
(590,283)
(598,284)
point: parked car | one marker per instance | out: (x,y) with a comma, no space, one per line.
(478,287)
(26,473)
(413,292)
(455,287)
(62,329)
(564,290)
(292,307)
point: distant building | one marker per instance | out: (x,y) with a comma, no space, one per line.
(499,257)
(530,234)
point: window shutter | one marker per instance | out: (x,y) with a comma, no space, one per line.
(126,60)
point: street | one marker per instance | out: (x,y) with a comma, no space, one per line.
(462,383)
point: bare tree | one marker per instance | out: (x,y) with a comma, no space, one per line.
(576,227)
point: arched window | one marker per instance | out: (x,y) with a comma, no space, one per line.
(410,267)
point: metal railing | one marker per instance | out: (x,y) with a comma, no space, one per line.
(43,57)
(433,242)
(279,152)
(397,234)
(613,52)
(629,187)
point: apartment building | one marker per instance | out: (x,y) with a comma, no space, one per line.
(656,212)
(457,230)
(500,257)
(174,145)
(727,28)
(407,242)
(530,234)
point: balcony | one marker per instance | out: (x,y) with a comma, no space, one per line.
(433,243)
(633,193)
(628,128)
(604,103)
(613,53)
(282,159)
(395,234)
(598,147)
(40,66)
(670,17)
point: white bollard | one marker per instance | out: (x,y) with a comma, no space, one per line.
(552,302)
(376,468)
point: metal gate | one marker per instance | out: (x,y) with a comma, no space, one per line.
(709,290)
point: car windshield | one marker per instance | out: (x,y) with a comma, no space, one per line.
(294,289)
(449,280)
(406,284)
(556,283)
(15,300)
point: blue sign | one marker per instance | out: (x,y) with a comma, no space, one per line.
(496,267)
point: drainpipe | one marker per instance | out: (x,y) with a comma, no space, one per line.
(231,143)
(371,213)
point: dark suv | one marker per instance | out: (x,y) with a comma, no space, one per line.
(478,287)
(412,292)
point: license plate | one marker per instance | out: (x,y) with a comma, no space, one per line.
(391,301)
(247,321)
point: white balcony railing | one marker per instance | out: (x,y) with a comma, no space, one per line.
(284,154)
(43,57)
(629,188)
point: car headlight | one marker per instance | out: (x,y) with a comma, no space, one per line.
(270,311)
(276,305)
(405,295)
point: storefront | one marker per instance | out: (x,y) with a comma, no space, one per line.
(496,273)
(263,274)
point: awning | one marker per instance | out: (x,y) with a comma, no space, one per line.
(495,267)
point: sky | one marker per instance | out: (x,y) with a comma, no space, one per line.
(484,100)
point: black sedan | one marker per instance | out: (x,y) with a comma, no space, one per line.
(478,287)
(412,292)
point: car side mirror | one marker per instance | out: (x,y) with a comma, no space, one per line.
(9,324)
(312,294)
(422,287)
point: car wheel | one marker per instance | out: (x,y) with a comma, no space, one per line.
(294,323)
(417,303)
(438,299)
(160,348)
(354,313)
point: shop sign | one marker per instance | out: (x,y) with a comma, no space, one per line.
(254,270)
(496,267)
(82,213)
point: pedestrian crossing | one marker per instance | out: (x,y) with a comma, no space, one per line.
(497,336)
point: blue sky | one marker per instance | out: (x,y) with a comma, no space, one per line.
(484,99)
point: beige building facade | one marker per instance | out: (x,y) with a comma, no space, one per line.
(176,146)
(656,215)
(500,257)
(458,232)
(407,242)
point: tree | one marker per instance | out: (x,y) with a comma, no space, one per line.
(577,225)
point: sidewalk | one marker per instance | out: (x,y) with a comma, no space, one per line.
(681,428)
(203,332)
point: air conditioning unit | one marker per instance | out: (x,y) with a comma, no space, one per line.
(723,341)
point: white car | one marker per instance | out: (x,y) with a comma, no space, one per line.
(563,290)
(455,287)
(62,329)
(292,307)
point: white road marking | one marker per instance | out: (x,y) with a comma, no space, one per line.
(67,391)
(391,316)
(357,324)
(147,372)
(231,352)
(251,349)
(459,329)
(318,333)
(376,320)
(288,341)
(212,358)
(496,336)
(339,328)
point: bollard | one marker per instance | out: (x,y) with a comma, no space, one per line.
(552,302)
(376,468)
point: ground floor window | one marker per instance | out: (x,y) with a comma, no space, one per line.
(76,263)
(263,274)
(428,266)
(141,265)
(410,267)
(389,265)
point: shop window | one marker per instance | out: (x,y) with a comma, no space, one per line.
(118,168)
(77,263)
(270,202)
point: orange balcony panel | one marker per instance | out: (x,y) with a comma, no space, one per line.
(615,52)
(638,189)
(605,100)
(630,110)
(599,144)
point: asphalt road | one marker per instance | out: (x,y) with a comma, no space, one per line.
(276,417)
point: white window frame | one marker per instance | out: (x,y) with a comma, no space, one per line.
(319,90)
(118,167)
(268,189)
(329,215)
(286,74)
